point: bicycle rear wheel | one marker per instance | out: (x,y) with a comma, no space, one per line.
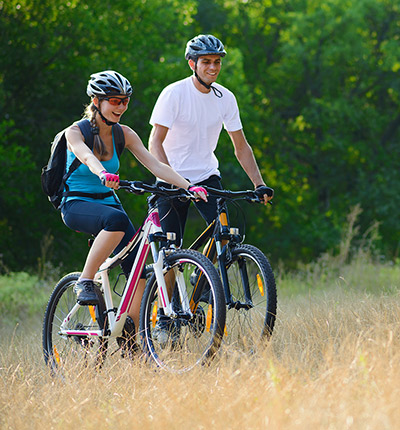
(251,317)
(193,335)
(72,352)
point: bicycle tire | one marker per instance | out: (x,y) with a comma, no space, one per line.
(250,326)
(190,341)
(72,352)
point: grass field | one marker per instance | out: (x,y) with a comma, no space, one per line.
(333,363)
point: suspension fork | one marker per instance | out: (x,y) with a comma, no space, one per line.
(245,280)
(221,241)
(221,258)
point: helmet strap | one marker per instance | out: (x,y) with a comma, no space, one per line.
(217,92)
(104,119)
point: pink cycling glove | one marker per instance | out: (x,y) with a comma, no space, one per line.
(199,192)
(105,176)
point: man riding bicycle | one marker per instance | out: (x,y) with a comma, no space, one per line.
(187,120)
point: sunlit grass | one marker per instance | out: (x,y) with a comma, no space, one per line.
(333,363)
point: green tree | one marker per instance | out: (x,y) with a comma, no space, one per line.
(324,80)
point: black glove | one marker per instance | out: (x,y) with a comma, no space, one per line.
(263,189)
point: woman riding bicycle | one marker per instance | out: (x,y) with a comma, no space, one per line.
(102,214)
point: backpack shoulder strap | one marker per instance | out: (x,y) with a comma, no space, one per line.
(86,130)
(119,139)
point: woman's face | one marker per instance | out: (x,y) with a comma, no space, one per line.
(113,107)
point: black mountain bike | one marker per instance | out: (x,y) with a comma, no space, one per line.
(246,274)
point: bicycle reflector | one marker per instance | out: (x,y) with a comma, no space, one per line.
(154,315)
(209,318)
(56,355)
(260,285)
(92,313)
(223,219)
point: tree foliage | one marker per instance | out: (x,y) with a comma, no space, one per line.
(317,84)
(325,113)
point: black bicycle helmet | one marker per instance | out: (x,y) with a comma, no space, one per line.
(204,44)
(108,83)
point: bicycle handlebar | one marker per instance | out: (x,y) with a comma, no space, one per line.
(249,195)
(139,187)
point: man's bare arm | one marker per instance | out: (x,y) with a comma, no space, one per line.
(156,140)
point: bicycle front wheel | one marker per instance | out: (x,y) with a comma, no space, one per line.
(252,313)
(72,351)
(193,334)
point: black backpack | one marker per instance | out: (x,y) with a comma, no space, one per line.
(54,175)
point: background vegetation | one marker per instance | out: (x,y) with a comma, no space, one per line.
(318,85)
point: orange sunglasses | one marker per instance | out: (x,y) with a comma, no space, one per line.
(116,101)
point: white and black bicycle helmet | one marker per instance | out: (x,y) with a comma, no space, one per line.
(108,83)
(204,44)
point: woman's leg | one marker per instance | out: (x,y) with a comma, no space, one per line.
(109,224)
(102,247)
(134,310)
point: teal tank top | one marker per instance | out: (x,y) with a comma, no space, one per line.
(83,180)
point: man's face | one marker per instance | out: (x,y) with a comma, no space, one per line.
(208,68)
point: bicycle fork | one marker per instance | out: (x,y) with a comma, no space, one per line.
(177,277)
(222,267)
(158,265)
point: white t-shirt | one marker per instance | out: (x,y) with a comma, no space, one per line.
(195,122)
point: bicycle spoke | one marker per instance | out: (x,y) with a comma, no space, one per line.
(182,341)
(251,318)
(71,351)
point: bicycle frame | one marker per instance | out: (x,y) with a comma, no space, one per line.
(146,237)
(221,236)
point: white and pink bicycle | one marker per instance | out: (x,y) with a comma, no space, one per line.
(75,335)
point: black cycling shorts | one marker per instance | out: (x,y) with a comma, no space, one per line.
(93,217)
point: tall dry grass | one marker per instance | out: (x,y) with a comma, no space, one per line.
(333,363)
